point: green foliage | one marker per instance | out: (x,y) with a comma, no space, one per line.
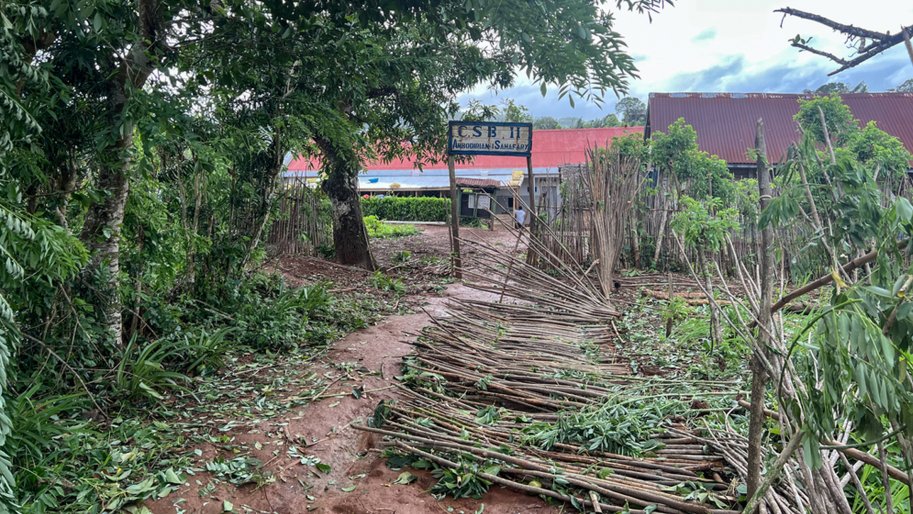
(402,257)
(613,427)
(703,225)
(840,120)
(633,145)
(384,282)
(904,87)
(407,208)
(546,123)
(675,309)
(464,481)
(854,355)
(692,171)
(75,465)
(609,120)
(477,111)
(514,112)
(472,222)
(882,152)
(200,350)
(238,471)
(633,110)
(187,148)
(266,314)
(874,486)
(141,374)
(869,165)
(379,230)
(838,88)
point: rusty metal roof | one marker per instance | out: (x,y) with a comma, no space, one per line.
(725,122)
(478,182)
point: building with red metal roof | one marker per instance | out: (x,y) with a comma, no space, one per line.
(551,149)
(725,122)
(502,179)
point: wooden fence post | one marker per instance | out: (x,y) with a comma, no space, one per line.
(456,260)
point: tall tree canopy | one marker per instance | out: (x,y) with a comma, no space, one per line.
(633,111)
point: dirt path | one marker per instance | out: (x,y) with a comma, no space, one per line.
(358,480)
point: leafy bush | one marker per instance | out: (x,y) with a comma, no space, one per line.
(386,283)
(201,350)
(407,208)
(402,257)
(379,230)
(267,314)
(141,373)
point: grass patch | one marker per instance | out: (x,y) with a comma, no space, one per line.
(380,230)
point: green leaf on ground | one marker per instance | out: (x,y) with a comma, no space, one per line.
(405,478)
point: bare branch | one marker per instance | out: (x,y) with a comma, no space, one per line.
(871,43)
(822,53)
(849,30)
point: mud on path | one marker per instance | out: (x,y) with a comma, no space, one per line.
(360,370)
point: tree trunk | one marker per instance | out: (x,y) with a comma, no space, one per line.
(266,187)
(101,231)
(660,234)
(716,329)
(758,372)
(101,235)
(350,239)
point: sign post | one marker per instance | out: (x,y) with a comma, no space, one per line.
(485,138)
(531,187)
(455,258)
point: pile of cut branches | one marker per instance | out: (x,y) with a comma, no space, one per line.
(531,395)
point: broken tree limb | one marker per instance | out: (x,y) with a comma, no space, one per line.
(824,280)
(853,453)
(871,42)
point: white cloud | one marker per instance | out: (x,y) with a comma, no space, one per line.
(726,45)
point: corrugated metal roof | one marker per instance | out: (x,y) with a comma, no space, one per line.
(725,122)
(551,148)
(478,182)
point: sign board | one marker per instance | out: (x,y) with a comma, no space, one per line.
(516,178)
(489,138)
(485,202)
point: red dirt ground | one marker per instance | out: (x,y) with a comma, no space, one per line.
(322,428)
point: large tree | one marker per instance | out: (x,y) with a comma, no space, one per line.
(632,110)
(904,87)
(413,62)
(839,88)
(99,57)
(546,122)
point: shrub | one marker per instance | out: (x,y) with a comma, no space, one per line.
(407,208)
(269,315)
(384,282)
(141,374)
(379,230)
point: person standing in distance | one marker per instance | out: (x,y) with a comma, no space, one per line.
(519,218)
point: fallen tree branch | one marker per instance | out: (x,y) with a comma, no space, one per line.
(824,280)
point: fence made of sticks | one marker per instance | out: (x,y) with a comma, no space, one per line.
(303,222)
(648,240)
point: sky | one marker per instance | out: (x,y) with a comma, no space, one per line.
(732,46)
